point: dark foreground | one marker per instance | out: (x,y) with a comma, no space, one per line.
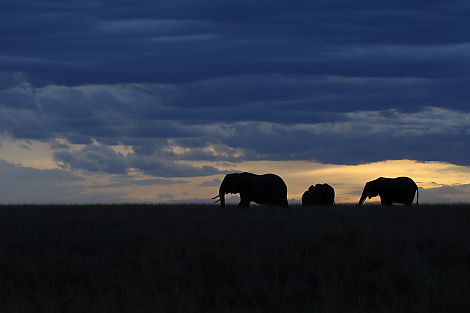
(144,258)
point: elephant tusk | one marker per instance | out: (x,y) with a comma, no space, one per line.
(216,197)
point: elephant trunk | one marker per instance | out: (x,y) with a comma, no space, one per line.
(363,198)
(222,193)
(222,200)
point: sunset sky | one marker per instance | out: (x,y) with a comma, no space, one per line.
(155,101)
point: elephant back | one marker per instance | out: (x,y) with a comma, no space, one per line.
(320,194)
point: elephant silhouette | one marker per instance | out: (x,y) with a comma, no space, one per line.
(391,190)
(268,189)
(320,194)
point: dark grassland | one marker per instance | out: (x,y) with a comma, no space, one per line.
(192,258)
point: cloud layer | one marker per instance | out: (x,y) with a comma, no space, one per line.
(181,41)
(167,124)
(183,83)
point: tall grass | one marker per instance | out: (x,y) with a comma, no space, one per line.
(193,258)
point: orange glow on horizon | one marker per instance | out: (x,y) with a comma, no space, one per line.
(438,181)
(348,180)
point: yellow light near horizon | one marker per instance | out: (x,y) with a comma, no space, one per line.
(426,174)
(348,180)
(28,153)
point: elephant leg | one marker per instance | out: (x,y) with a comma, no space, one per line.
(282,203)
(385,202)
(244,201)
(244,204)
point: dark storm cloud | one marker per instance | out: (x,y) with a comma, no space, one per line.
(333,81)
(363,137)
(97,158)
(77,43)
(235,119)
(93,158)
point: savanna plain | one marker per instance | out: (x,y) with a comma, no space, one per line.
(201,258)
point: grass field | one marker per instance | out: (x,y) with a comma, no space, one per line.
(190,258)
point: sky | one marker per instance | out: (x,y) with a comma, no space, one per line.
(155,101)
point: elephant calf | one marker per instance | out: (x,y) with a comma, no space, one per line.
(320,194)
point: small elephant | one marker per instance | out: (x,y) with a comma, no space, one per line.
(391,190)
(320,194)
(267,189)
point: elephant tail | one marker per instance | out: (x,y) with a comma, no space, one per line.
(417,195)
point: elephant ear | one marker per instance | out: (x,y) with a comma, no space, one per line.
(381,182)
(236,183)
(368,190)
(227,184)
(374,187)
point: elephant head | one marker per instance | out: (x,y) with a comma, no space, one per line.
(372,189)
(231,184)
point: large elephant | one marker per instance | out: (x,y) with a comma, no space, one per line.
(320,194)
(267,189)
(391,190)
